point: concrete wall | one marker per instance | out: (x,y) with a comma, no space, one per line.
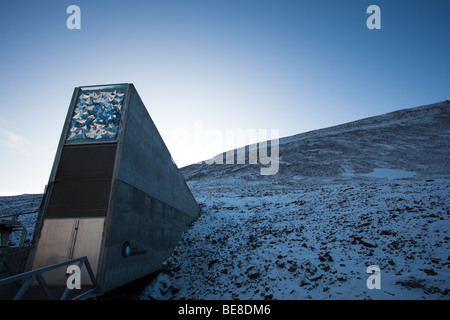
(150,202)
(145,203)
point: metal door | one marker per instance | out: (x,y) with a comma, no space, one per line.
(64,239)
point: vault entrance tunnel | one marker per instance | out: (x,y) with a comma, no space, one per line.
(114,193)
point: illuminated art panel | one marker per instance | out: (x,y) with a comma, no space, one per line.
(96,115)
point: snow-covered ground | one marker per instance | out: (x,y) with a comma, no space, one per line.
(313,239)
(24,209)
(371,192)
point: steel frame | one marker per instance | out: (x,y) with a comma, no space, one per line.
(27,279)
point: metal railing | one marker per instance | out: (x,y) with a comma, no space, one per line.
(27,279)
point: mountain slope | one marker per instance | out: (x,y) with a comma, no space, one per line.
(413,139)
(370,192)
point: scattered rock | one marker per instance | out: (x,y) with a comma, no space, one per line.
(316,278)
(254,275)
(326,257)
(293,267)
(363,225)
(325,267)
(163,290)
(432,290)
(174,290)
(280,263)
(368,243)
(430,272)
(387,232)
(212,262)
(304,283)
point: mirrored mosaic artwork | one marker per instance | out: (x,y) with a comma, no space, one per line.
(96,115)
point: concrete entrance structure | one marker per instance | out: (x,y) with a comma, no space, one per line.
(114,194)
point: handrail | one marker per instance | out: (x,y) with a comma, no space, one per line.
(31,275)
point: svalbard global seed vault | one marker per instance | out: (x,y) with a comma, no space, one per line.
(114,194)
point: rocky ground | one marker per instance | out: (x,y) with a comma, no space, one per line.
(370,192)
(22,208)
(314,240)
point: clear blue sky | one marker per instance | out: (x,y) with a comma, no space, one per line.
(288,65)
